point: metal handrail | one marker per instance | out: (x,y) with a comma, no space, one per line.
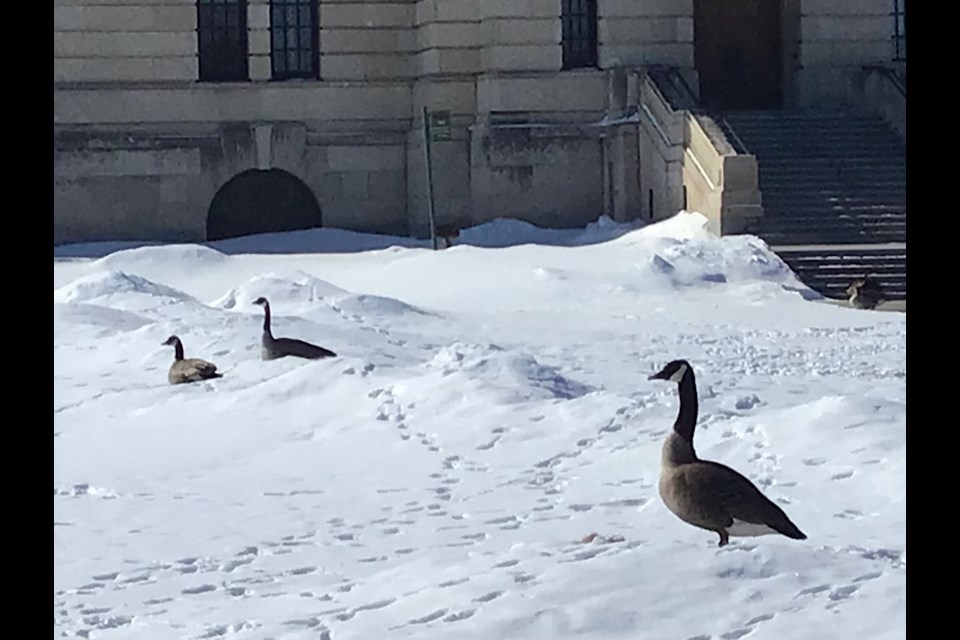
(728,128)
(677,77)
(891,75)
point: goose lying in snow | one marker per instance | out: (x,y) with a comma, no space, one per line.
(272,348)
(864,293)
(708,494)
(188,369)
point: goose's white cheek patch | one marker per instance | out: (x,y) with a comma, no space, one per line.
(679,373)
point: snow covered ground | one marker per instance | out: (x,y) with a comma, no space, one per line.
(489,408)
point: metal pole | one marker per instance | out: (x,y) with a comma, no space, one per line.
(426,150)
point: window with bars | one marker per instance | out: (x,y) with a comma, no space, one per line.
(579,35)
(222,34)
(294,39)
(899,29)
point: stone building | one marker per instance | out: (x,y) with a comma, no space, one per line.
(203,119)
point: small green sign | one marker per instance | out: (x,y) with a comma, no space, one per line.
(440,126)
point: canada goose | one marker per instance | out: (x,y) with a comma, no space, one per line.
(708,494)
(864,293)
(189,369)
(448,232)
(272,348)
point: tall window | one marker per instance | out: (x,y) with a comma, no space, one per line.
(899,29)
(579,18)
(294,39)
(222,31)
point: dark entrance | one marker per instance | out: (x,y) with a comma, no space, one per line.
(262,201)
(738,53)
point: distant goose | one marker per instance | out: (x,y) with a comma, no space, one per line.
(272,348)
(448,233)
(190,369)
(708,494)
(865,293)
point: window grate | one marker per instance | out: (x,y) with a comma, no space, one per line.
(294,39)
(222,40)
(579,33)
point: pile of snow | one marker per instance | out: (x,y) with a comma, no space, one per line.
(81,313)
(482,458)
(512,376)
(374,306)
(315,241)
(104,285)
(300,292)
(508,232)
(64,252)
(294,290)
(681,249)
(183,256)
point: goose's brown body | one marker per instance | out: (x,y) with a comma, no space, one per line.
(865,294)
(272,348)
(707,494)
(185,370)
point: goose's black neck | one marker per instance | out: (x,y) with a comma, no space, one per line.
(687,416)
(177,350)
(266,318)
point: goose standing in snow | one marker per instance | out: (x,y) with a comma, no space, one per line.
(188,369)
(272,348)
(864,293)
(708,494)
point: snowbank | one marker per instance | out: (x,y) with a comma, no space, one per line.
(112,283)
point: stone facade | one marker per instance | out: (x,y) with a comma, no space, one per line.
(141,147)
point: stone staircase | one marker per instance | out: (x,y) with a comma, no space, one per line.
(834,194)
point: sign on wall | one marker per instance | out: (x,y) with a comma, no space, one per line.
(440,126)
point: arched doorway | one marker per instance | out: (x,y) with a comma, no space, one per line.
(738,53)
(262,201)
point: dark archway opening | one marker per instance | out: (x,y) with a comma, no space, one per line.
(262,201)
(738,53)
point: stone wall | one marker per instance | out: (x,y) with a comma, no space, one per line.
(836,40)
(113,41)
(141,147)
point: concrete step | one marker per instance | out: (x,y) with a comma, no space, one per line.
(884,163)
(773,139)
(771,225)
(827,237)
(773,198)
(833,187)
(829,270)
(830,180)
(774,222)
(822,187)
(879,132)
(852,194)
(833,176)
(821,215)
(827,217)
(794,118)
(780,201)
(829,153)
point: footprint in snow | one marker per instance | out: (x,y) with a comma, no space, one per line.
(453,583)
(460,615)
(812,591)
(493,595)
(506,563)
(844,592)
(203,588)
(430,617)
